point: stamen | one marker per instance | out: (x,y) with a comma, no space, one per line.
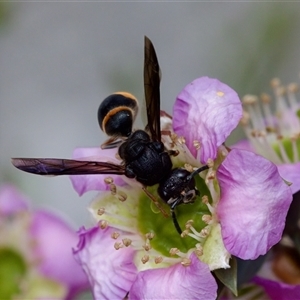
(186,262)
(174,251)
(126,242)
(145,259)
(103,224)
(207,219)
(197,144)
(266,99)
(108,180)
(150,235)
(118,245)
(101,211)
(253,109)
(294,147)
(185,233)
(188,224)
(210,162)
(188,167)
(113,188)
(181,140)
(282,150)
(122,196)
(147,246)
(158,259)
(292,89)
(211,175)
(115,235)
(199,250)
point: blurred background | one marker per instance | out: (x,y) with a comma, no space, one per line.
(59,60)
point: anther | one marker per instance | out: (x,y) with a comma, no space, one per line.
(118,245)
(207,219)
(204,232)
(275,82)
(205,199)
(199,250)
(101,211)
(265,98)
(150,235)
(189,224)
(188,167)
(126,242)
(115,235)
(249,99)
(210,163)
(147,246)
(220,94)
(122,196)
(184,233)
(293,87)
(108,180)
(145,259)
(158,259)
(186,262)
(181,140)
(174,251)
(197,144)
(103,224)
(113,188)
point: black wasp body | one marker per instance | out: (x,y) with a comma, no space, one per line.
(143,155)
(145,160)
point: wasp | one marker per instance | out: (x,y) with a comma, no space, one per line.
(144,156)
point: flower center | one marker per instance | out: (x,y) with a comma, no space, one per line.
(192,217)
(275,136)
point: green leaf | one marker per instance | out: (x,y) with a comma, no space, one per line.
(229,276)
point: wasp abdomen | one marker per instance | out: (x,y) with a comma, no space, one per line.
(117,113)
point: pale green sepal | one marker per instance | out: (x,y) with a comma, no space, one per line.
(215,254)
(229,276)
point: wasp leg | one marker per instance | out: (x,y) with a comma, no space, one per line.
(166,215)
(174,218)
(112,142)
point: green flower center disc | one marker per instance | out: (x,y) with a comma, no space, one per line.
(165,234)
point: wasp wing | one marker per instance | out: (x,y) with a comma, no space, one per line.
(152,94)
(56,166)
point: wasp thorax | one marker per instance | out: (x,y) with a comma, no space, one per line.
(117,113)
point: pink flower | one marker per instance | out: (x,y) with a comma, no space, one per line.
(241,210)
(37,248)
(274,135)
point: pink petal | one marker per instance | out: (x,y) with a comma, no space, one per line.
(111,272)
(291,173)
(206,110)
(278,290)
(54,242)
(176,282)
(244,145)
(253,205)
(11,200)
(85,183)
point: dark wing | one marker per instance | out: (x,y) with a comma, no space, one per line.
(152,94)
(56,166)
